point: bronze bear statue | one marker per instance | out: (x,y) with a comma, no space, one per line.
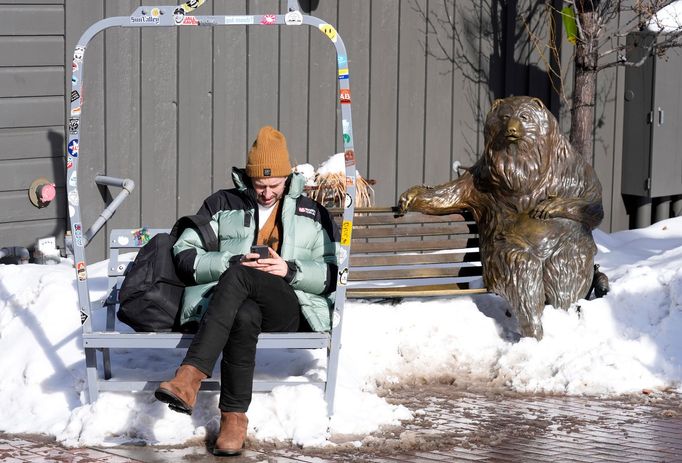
(535,201)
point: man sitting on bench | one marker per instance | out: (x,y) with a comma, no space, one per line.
(286,288)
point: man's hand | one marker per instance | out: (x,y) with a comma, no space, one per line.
(273,264)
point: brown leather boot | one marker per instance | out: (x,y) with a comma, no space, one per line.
(232,434)
(180,393)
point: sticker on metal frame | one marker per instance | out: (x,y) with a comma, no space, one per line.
(72,148)
(268,19)
(81,271)
(349,201)
(293,18)
(74,124)
(346,232)
(349,157)
(329,31)
(343,276)
(241,20)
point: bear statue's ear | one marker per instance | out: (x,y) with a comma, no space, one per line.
(538,102)
(495,104)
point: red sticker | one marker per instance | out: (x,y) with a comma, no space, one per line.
(80,270)
(190,21)
(344,94)
(268,19)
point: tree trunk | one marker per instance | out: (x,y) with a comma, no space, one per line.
(584,91)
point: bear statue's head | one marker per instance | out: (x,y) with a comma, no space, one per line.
(518,120)
(519,135)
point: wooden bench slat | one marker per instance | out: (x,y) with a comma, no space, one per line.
(388,232)
(371,220)
(360,246)
(385,216)
(360,219)
(418,272)
(452,289)
(410,259)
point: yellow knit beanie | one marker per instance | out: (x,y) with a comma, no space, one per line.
(268,156)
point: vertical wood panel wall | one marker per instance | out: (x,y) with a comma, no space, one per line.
(175,109)
(31,117)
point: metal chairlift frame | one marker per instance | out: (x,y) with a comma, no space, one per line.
(93,341)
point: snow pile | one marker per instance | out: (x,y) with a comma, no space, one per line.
(336,164)
(308,172)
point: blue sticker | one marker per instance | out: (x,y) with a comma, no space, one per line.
(73,148)
(342,60)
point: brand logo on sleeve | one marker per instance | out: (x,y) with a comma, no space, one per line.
(307,211)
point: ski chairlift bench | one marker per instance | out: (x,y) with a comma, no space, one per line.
(97,339)
(414,255)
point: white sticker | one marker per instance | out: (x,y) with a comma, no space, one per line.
(346,125)
(78,54)
(239,19)
(73,197)
(336,319)
(349,201)
(72,211)
(343,277)
(341,255)
(73,179)
(123,240)
(293,18)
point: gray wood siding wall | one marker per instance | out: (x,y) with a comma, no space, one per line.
(175,109)
(31,117)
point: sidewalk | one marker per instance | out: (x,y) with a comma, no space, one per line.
(450,426)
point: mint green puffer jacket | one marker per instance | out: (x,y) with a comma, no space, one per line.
(310,241)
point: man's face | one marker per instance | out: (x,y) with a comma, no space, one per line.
(269,190)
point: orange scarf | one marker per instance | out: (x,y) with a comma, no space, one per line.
(270,234)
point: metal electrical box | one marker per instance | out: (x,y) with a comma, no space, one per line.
(652,133)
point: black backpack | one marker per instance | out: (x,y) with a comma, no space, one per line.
(151,293)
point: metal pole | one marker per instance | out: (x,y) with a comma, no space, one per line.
(676,206)
(643,213)
(662,210)
(127,186)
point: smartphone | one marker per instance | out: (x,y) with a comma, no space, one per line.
(261,250)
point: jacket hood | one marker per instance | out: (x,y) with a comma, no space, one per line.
(296,182)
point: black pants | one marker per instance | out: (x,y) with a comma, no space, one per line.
(245,303)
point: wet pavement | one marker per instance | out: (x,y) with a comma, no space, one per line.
(450,425)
